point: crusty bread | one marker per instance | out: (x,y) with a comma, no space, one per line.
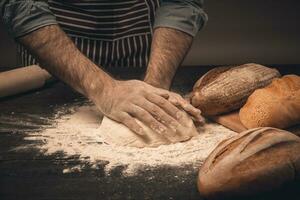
(224,89)
(277,105)
(257,160)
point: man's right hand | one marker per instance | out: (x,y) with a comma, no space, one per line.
(124,101)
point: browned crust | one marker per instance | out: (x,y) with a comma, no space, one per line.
(257,160)
(215,95)
(210,76)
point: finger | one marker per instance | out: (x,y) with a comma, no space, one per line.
(159,114)
(165,95)
(161,92)
(179,101)
(147,119)
(167,106)
(188,97)
(176,99)
(131,123)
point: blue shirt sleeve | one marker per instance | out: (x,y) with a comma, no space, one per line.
(183,15)
(24,16)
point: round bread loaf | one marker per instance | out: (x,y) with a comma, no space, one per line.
(257,160)
(224,89)
(277,105)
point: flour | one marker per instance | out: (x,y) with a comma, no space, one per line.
(77,134)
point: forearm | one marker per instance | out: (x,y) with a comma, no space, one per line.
(58,55)
(168,49)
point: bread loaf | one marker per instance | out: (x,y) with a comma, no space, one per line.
(277,105)
(225,89)
(257,160)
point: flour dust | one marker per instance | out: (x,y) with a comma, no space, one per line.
(77,134)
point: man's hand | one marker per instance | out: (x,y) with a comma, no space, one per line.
(124,101)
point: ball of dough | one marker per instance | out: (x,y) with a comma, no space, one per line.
(118,134)
(257,160)
(277,105)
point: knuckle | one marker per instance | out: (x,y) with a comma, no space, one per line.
(134,110)
(153,123)
(127,120)
(162,102)
(185,106)
(148,118)
(155,111)
(174,101)
(184,101)
(140,113)
(131,123)
(143,92)
(177,95)
(120,118)
(147,95)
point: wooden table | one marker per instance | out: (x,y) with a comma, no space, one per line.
(29,174)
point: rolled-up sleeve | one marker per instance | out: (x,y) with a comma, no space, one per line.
(184,15)
(23,17)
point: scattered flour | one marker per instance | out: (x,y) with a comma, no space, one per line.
(77,134)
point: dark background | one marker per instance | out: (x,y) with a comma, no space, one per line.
(266,32)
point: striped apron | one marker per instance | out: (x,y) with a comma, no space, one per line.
(112,33)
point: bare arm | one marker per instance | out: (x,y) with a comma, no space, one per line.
(168,49)
(58,55)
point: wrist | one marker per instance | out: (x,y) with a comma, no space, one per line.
(163,83)
(157,77)
(97,84)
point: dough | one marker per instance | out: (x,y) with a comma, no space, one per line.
(277,105)
(118,134)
